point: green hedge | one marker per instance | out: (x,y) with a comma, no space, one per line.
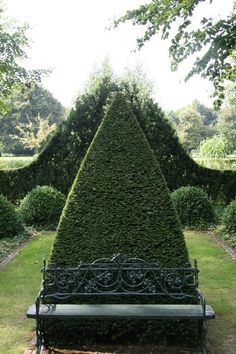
(10,224)
(194,208)
(229,218)
(119,203)
(119,200)
(42,207)
(228,228)
(58,164)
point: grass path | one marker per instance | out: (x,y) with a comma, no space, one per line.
(218,283)
(20,280)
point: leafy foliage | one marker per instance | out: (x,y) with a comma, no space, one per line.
(227,231)
(217,146)
(193,123)
(42,207)
(193,207)
(32,135)
(229,218)
(28,105)
(217,38)
(190,127)
(13,45)
(8,245)
(1,147)
(209,115)
(10,224)
(227,126)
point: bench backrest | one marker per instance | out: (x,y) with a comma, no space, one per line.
(119,276)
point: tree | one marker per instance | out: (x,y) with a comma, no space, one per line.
(172,118)
(214,41)
(13,44)
(190,128)
(216,146)
(34,133)
(226,125)
(27,105)
(230,97)
(209,116)
(1,147)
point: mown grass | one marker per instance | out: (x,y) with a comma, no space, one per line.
(227,163)
(20,281)
(218,283)
(9,162)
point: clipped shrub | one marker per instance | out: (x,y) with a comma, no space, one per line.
(119,200)
(42,207)
(10,224)
(194,208)
(119,203)
(219,208)
(228,219)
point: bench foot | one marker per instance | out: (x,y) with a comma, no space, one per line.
(40,344)
(202,337)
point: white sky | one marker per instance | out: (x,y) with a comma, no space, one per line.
(71,38)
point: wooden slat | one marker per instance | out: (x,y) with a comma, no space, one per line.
(101,311)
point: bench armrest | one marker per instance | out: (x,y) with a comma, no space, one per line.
(39,298)
(38,301)
(202,301)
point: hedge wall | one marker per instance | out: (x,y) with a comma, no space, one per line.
(119,201)
(58,163)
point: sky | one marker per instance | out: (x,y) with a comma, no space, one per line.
(72,38)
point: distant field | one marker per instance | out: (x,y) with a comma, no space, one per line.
(228,163)
(8,162)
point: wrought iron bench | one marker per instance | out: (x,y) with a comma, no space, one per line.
(120,276)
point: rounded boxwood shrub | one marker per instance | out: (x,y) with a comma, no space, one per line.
(42,207)
(194,208)
(229,218)
(10,224)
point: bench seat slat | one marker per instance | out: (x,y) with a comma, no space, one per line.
(111,311)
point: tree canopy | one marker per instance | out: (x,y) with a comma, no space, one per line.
(27,106)
(13,45)
(213,40)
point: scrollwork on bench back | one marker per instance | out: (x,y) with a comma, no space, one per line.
(119,276)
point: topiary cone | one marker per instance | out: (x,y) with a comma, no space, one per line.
(119,201)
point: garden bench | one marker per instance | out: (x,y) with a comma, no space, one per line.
(120,276)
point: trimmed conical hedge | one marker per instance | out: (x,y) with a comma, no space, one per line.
(119,201)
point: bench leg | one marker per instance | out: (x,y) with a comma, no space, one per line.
(40,335)
(202,336)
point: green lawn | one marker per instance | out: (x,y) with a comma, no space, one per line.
(217,163)
(20,281)
(218,283)
(8,162)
